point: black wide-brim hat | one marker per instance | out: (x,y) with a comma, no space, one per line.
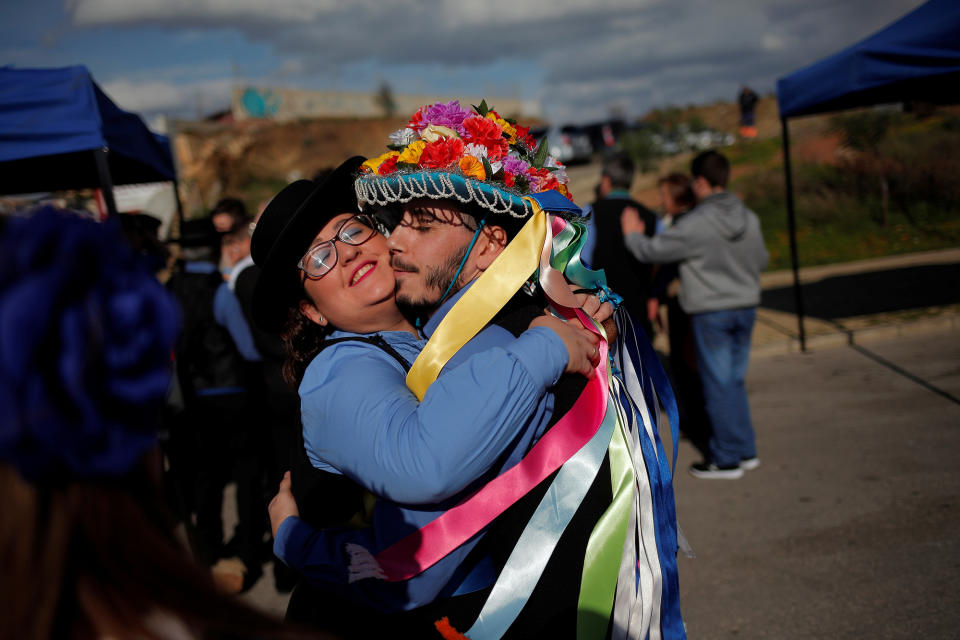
(285,231)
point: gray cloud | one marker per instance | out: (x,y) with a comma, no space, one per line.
(591,55)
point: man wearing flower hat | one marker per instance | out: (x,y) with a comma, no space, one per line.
(460,177)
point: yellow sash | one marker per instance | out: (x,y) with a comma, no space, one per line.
(481,302)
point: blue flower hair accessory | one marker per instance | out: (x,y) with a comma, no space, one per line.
(85,342)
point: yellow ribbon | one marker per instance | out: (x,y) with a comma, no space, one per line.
(489,293)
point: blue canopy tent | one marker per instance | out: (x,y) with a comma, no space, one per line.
(916,58)
(59,130)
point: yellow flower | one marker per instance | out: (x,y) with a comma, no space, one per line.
(411,155)
(472,167)
(508,128)
(374,163)
(434,132)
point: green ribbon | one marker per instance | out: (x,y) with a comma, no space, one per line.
(601,564)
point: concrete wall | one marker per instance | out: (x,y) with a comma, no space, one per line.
(291,104)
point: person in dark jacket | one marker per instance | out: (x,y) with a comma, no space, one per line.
(626,275)
(215,365)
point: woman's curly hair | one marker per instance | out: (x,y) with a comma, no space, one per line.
(302,341)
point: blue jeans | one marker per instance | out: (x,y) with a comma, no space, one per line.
(722,341)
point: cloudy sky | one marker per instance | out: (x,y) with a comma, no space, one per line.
(582,59)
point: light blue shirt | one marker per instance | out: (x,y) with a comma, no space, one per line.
(228,313)
(477,420)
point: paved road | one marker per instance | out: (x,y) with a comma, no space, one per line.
(849,528)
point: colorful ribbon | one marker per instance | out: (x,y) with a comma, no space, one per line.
(630,558)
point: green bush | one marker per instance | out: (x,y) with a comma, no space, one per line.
(838,206)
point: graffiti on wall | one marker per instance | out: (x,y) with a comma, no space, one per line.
(260,103)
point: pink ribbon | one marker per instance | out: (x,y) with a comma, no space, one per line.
(423,548)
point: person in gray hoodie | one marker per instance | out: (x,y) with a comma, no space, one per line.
(721,254)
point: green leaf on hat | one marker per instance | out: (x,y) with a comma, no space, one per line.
(511,120)
(541,155)
(483,109)
(522,184)
(487,168)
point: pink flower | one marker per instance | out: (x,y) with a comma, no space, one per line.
(446,114)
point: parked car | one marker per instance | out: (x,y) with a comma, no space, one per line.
(605,135)
(569,144)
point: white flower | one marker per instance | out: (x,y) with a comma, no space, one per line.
(434,132)
(476,150)
(403,137)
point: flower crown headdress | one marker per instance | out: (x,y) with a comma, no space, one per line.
(471,155)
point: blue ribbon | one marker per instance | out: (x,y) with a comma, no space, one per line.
(654,384)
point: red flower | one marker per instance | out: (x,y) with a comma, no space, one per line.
(388,166)
(441,153)
(416,122)
(542,180)
(509,179)
(488,133)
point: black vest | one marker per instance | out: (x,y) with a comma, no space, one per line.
(206,355)
(626,275)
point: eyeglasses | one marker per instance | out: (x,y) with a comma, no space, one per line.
(321,257)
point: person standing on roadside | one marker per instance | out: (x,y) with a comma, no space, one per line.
(721,253)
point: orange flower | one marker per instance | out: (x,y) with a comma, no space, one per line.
(441,153)
(472,167)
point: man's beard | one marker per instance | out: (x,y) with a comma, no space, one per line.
(436,280)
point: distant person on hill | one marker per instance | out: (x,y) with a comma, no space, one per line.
(748,104)
(627,275)
(721,254)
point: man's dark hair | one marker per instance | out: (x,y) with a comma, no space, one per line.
(233,206)
(619,169)
(713,167)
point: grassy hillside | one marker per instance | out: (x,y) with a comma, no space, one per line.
(867,183)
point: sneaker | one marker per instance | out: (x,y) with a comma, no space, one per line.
(749,464)
(710,471)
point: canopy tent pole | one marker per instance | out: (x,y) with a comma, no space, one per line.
(176,196)
(106,182)
(792,230)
